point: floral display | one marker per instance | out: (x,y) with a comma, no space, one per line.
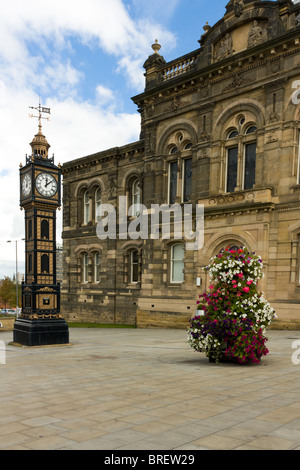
(233,315)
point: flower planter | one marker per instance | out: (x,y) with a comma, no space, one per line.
(232,310)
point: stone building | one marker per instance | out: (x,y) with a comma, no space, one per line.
(219,127)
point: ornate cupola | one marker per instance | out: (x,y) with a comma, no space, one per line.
(39,144)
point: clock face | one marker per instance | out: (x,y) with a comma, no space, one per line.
(26,185)
(46,184)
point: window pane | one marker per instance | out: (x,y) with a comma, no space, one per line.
(136,198)
(232,154)
(177,263)
(250,161)
(173,182)
(134,266)
(86,208)
(187,188)
(97,261)
(251,129)
(97,204)
(233,134)
(85,267)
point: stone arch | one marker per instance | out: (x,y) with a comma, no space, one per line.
(224,238)
(130,175)
(96,183)
(246,105)
(173,131)
(294,231)
(82,186)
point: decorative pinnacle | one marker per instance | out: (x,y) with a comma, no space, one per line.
(156,46)
(206,27)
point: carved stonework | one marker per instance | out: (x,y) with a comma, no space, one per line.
(238,8)
(237,82)
(177,102)
(257,35)
(225,48)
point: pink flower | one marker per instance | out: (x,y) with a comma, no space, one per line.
(249,282)
(239,293)
(246,289)
(240,274)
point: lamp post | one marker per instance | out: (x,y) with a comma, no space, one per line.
(17,275)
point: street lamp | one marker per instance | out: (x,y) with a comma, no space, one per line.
(17,283)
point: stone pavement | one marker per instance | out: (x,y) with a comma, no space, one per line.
(134,389)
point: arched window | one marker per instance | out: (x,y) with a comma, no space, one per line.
(241,159)
(177,263)
(176,146)
(86,207)
(45,264)
(97,204)
(45,229)
(134,197)
(134,266)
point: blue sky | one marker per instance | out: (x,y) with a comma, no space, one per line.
(84,59)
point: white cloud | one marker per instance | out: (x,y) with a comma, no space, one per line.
(37,57)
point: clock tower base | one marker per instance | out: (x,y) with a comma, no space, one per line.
(40,332)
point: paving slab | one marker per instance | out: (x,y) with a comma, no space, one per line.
(146,389)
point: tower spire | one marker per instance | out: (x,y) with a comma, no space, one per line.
(39,143)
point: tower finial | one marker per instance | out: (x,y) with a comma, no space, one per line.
(156,46)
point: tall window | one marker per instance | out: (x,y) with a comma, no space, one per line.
(45,229)
(136,197)
(97,263)
(250,163)
(86,207)
(45,264)
(232,164)
(97,204)
(134,266)
(85,267)
(241,160)
(177,263)
(187,179)
(173,166)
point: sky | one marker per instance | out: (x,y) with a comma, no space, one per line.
(83,60)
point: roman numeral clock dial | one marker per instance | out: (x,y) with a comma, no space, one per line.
(46,184)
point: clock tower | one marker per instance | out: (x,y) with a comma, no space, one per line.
(40,322)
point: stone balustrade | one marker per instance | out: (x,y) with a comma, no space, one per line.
(174,69)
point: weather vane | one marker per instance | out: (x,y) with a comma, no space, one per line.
(40,109)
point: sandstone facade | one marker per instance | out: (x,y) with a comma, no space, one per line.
(220,127)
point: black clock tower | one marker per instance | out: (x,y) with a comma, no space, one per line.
(40,322)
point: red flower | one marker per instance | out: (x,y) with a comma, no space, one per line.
(246,289)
